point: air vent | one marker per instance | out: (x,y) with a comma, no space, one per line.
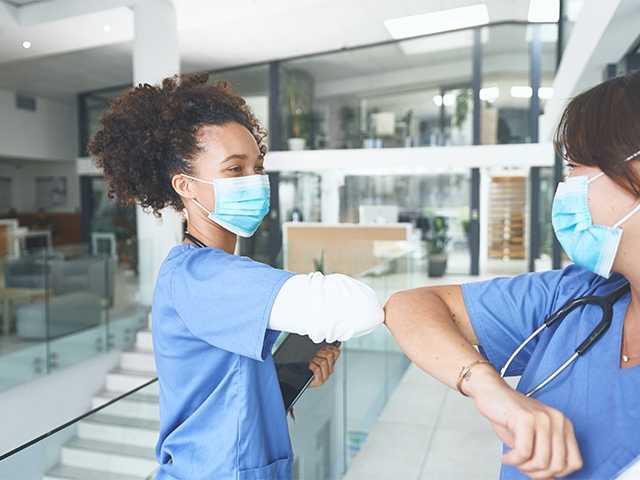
(25,102)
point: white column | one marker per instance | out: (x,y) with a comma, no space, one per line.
(155,56)
(331,183)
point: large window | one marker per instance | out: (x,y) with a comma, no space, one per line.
(404,94)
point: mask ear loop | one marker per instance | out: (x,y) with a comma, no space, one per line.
(196,179)
(632,156)
(635,210)
(595,177)
(202,207)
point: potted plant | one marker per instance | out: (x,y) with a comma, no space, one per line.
(372,140)
(297,140)
(299,101)
(437,242)
(348,126)
(318,263)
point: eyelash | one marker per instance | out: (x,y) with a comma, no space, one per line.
(237,169)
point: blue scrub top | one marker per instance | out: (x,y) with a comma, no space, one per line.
(601,399)
(221,410)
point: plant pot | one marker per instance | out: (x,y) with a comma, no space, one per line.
(297,144)
(437,265)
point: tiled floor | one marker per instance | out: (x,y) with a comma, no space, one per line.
(427,432)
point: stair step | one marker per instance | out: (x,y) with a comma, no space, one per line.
(109,457)
(65,472)
(138,360)
(126,380)
(136,405)
(144,340)
(121,430)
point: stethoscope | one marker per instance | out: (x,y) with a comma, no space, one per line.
(605,302)
(199,243)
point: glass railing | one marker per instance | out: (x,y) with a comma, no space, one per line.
(116,438)
(59,308)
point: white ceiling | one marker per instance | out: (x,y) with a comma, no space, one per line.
(76,54)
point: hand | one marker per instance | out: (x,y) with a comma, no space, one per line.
(323,363)
(542,440)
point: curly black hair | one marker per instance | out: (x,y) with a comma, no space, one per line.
(149,134)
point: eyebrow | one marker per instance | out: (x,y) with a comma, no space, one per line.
(235,156)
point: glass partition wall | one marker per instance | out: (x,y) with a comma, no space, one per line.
(474,86)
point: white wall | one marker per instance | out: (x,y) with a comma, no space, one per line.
(23,181)
(49,133)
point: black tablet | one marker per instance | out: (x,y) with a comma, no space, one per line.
(292,364)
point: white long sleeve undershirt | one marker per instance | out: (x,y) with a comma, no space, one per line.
(326,307)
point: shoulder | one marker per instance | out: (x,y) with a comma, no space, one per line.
(201,266)
(576,281)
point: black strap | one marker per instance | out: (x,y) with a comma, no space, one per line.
(195,240)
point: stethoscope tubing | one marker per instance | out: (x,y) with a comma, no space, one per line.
(605,302)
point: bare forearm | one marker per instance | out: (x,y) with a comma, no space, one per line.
(426,330)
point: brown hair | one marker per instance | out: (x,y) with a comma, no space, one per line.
(149,134)
(601,128)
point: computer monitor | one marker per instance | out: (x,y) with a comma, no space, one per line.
(375,214)
(35,241)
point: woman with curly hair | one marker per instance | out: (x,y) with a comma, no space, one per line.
(196,147)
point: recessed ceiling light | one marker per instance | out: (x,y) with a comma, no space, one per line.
(521,92)
(489,94)
(435,22)
(544,10)
(26,44)
(107,28)
(448,100)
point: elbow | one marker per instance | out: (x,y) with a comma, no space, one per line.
(394,306)
(402,305)
(371,312)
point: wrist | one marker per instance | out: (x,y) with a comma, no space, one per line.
(482,379)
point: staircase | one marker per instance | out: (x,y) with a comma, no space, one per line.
(118,442)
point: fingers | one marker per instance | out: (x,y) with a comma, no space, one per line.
(317,374)
(323,363)
(524,436)
(545,446)
(573,457)
(539,461)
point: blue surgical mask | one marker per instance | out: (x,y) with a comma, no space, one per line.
(241,203)
(590,246)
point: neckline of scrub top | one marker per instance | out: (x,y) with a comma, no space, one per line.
(623,304)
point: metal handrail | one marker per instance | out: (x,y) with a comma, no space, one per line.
(75,420)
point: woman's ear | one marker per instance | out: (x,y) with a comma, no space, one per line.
(183,186)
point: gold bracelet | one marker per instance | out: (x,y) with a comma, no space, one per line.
(465,373)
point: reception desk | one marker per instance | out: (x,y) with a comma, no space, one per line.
(348,248)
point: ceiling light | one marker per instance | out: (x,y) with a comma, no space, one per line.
(521,92)
(545,93)
(544,10)
(26,44)
(107,28)
(489,94)
(435,22)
